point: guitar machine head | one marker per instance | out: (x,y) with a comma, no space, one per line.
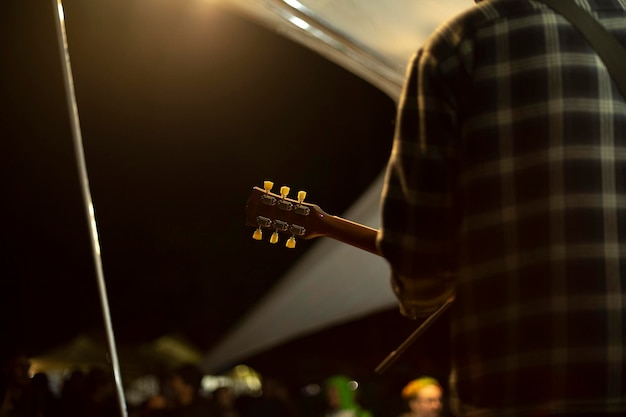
(282,215)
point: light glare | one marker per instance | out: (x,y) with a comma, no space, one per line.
(311,390)
(295,4)
(60,11)
(299,22)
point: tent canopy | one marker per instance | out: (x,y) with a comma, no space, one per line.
(335,283)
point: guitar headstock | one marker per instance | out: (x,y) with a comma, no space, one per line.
(281,215)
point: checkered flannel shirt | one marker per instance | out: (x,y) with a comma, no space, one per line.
(507,182)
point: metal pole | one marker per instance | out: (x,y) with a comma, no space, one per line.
(89,209)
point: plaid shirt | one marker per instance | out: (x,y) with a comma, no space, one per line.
(505,183)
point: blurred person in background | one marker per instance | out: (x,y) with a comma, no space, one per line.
(423,397)
(186,382)
(341,398)
(17,397)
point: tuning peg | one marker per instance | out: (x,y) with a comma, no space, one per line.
(258,234)
(267,185)
(284,190)
(291,242)
(274,238)
(301,196)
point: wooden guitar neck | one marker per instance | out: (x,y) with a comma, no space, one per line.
(296,219)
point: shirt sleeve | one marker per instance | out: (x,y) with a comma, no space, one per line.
(419,223)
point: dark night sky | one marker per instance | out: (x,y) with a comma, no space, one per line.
(183,108)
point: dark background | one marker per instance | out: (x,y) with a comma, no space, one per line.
(184,106)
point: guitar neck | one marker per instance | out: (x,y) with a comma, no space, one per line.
(299,220)
(350,232)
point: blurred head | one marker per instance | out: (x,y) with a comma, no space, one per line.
(186,382)
(224,396)
(340,392)
(423,396)
(41,381)
(16,370)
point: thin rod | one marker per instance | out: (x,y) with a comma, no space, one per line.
(86,192)
(394,355)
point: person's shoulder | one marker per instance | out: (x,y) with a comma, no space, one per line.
(450,33)
(464,26)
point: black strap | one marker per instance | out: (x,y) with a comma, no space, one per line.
(610,50)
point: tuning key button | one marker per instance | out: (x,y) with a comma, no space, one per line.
(267,186)
(291,242)
(261,222)
(301,196)
(284,191)
(274,237)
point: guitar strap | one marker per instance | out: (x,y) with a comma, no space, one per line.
(610,50)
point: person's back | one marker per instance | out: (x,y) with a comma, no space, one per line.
(507,169)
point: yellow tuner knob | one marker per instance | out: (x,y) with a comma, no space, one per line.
(284,190)
(301,196)
(291,242)
(267,185)
(274,237)
(258,234)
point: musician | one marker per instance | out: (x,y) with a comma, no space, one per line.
(505,190)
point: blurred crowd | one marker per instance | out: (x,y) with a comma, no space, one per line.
(93,393)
